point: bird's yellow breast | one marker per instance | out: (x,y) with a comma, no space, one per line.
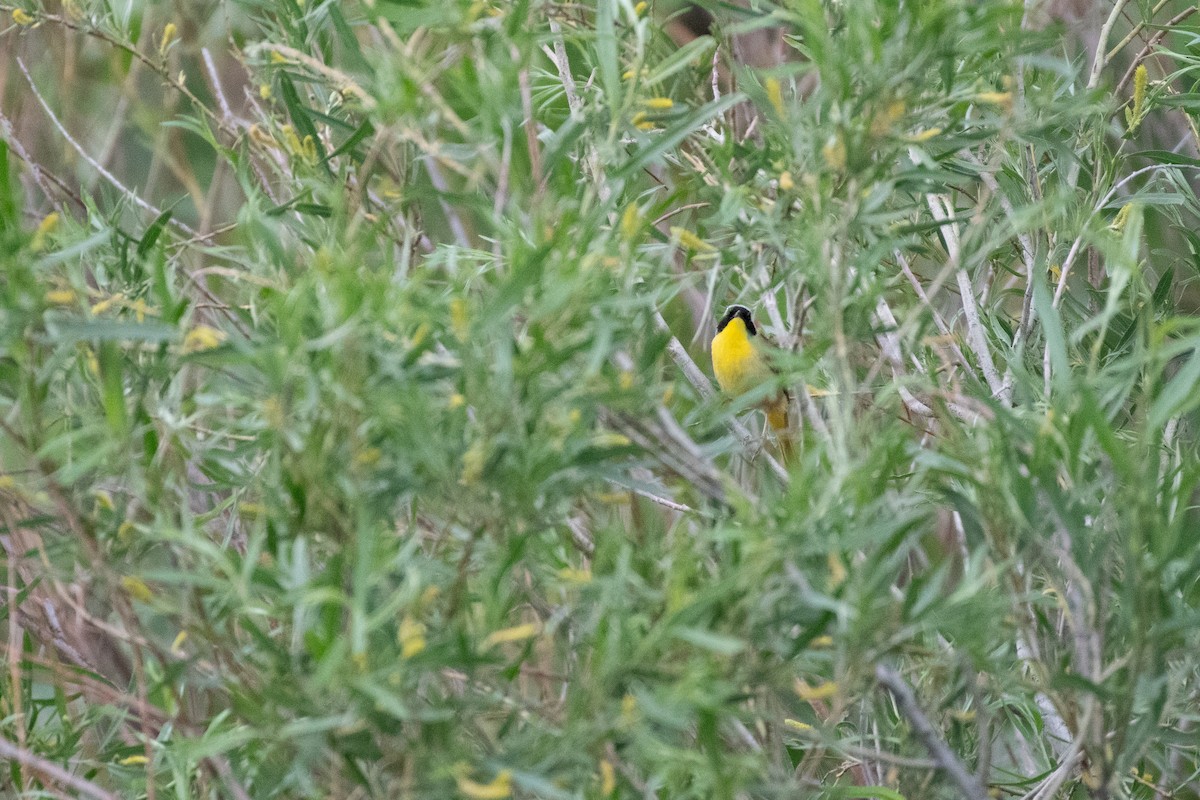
(737,363)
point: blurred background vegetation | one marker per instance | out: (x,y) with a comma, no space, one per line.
(355,439)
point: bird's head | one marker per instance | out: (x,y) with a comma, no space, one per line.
(737,312)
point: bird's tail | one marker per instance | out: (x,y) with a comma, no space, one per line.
(777,418)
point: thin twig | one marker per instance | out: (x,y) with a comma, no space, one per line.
(967,783)
(558,55)
(215,79)
(1026,244)
(1100,59)
(1150,44)
(108,176)
(10,136)
(531,139)
(1138,28)
(51,771)
(1068,262)
(16,636)
(864,754)
(942,211)
(581,536)
(1049,787)
(662,501)
(159,69)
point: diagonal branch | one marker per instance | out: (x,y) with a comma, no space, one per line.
(942,211)
(966,781)
(51,771)
(108,176)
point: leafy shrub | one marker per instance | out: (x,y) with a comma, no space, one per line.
(354,443)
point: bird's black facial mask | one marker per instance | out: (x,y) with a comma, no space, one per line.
(737,311)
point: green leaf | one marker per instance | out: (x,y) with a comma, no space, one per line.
(362,132)
(1180,393)
(711,641)
(100,329)
(8,196)
(112,381)
(1166,157)
(150,237)
(699,48)
(1052,327)
(606,54)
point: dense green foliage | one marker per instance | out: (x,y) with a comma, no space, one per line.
(351,445)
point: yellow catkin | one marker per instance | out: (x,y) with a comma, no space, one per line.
(631,221)
(140,309)
(498,788)
(170,32)
(1002,99)
(44,229)
(517,633)
(1141,79)
(608,778)
(821,692)
(261,137)
(201,338)
(411,637)
(459,320)
(924,135)
(136,588)
(691,240)
(292,141)
(1118,223)
(61,297)
(473,462)
(572,575)
(774,94)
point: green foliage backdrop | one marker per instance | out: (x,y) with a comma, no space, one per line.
(355,439)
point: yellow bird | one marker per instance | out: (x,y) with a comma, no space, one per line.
(740,365)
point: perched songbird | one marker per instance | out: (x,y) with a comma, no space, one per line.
(740,364)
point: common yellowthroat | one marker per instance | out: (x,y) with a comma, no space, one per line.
(740,365)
